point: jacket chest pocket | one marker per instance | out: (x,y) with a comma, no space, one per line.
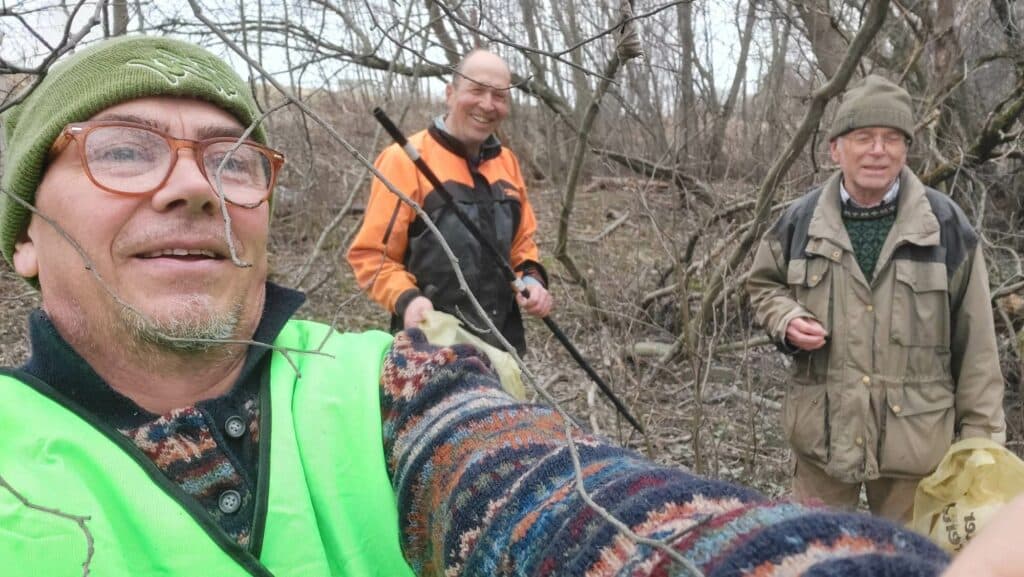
(811,282)
(920,305)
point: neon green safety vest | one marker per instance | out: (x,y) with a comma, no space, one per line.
(325,504)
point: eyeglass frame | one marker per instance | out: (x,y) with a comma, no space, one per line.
(79,131)
(903,139)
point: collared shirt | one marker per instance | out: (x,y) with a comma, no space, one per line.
(890,195)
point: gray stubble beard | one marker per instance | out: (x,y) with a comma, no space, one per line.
(187,333)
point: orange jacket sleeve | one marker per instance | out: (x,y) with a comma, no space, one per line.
(378,267)
(524,251)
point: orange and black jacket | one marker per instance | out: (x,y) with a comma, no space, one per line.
(396,257)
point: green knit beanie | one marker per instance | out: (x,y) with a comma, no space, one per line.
(92,80)
(874,101)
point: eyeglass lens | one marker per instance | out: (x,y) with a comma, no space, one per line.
(889,140)
(135,160)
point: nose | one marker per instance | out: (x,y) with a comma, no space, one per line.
(487,101)
(882,144)
(186,186)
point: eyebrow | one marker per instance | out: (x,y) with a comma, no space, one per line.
(202,133)
(218,130)
(122,117)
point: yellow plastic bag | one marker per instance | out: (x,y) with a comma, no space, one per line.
(444,330)
(975,478)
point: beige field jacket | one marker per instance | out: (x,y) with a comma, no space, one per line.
(911,360)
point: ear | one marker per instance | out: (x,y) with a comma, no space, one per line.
(833,149)
(26,261)
(448,90)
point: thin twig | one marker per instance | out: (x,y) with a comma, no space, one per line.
(219,188)
(67,43)
(660,545)
(79,520)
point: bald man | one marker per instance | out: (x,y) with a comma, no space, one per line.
(400,262)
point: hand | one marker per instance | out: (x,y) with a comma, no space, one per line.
(996,551)
(805,334)
(540,302)
(415,311)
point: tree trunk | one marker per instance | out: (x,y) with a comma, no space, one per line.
(770,130)
(826,43)
(686,102)
(568,22)
(716,163)
(575,170)
(451,50)
(947,56)
(119,9)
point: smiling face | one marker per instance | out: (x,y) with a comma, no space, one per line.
(871,159)
(478,99)
(163,254)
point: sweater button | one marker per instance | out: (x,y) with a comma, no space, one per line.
(859,441)
(896,409)
(234,427)
(836,254)
(229,501)
(870,308)
(866,380)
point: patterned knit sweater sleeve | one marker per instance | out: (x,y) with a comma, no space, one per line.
(485,486)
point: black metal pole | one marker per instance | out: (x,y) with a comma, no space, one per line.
(507,271)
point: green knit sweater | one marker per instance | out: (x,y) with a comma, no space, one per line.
(868,229)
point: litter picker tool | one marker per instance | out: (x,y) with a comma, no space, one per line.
(504,265)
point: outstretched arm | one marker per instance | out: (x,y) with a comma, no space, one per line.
(485,486)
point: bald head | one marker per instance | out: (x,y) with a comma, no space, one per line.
(480,65)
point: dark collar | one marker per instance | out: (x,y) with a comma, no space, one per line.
(851,210)
(54,361)
(490,148)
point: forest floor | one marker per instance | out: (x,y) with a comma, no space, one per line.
(719,416)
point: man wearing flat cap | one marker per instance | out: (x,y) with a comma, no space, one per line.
(876,286)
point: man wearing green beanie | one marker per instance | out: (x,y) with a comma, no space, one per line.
(142,407)
(876,286)
(175,420)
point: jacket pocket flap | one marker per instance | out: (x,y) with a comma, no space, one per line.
(807,272)
(911,400)
(825,248)
(817,268)
(796,272)
(922,276)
